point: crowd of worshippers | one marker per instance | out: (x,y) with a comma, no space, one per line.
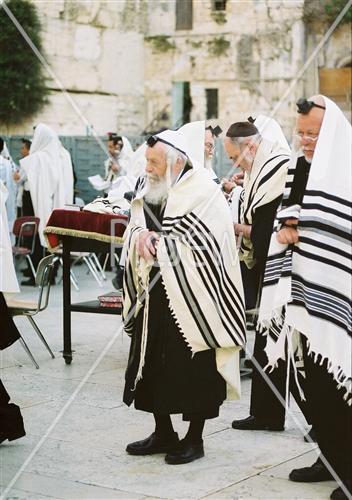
(203,258)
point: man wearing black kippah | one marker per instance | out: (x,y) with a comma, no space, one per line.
(263,156)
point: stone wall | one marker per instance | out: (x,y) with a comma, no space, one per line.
(118,61)
(251,57)
(98,59)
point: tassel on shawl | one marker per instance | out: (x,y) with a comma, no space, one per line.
(144,336)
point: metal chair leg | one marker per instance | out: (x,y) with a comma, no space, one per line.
(92,269)
(26,348)
(40,335)
(73,278)
(105,261)
(28,257)
(98,266)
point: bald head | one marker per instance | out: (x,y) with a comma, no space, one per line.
(308,127)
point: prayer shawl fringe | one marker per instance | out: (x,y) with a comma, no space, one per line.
(263,184)
(199,268)
(307,286)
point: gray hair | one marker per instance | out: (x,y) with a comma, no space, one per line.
(239,141)
(173,155)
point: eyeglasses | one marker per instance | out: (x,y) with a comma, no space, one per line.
(209,145)
(308,138)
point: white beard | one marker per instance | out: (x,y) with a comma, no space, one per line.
(208,163)
(156,190)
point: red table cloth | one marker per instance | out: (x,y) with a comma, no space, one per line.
(101,227)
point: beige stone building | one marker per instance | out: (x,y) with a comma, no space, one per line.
(136,65)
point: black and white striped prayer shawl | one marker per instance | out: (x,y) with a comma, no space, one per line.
(312,279)
(263,184)
(199,267)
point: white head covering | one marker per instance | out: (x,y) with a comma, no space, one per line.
(189,140)
(138,161)
(66,173)
(271,130)
(45,174)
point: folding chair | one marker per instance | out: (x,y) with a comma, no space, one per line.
(25,229)
(18,307)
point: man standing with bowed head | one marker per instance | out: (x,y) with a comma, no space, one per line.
(307,284)
(183,299)
(263,156)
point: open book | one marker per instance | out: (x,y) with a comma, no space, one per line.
(98,182)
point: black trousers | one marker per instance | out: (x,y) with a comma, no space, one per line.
(27,209)
(11,422)
(331,415)
(265,406)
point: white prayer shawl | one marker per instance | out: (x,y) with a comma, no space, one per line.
(6,176)
(271,131)
(263,184)
(138,161)
(199,269)
(66,173)
(8,279)
(312,279)
(44,174)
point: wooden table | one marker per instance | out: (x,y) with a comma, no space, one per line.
(79,240)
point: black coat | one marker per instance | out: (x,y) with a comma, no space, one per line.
(173,381)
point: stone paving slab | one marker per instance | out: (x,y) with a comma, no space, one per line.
(84,455)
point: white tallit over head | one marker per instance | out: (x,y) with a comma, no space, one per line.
(266,180)
(270,130)
(199,266)
(66,173)
(313,278)
(45,174)
(189,140)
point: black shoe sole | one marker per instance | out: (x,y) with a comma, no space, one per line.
(13,437)
(258,428)
(140,453)
(178,461)
(297,479)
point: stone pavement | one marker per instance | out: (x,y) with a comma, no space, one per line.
(75,443)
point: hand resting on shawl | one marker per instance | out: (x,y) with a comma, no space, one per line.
(146,244)
(288,234)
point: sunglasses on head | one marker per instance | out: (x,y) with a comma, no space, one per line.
(304,106)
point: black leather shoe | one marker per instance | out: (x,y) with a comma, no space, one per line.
(11,436)
(153,444)
(185,452)
(313,474)
(339,494)
(252,424)
(311,435)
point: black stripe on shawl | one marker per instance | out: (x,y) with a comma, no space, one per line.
(272,172)
(228,284)
(327,228)
(320,258)
(214,272)
(329,210)
(187,293)
(324,246)
(215,294)
(251,195)
(311,291)
(328,196)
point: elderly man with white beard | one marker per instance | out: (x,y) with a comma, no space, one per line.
(183,298)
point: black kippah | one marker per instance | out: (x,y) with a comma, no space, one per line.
(242,129)
(216,131)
